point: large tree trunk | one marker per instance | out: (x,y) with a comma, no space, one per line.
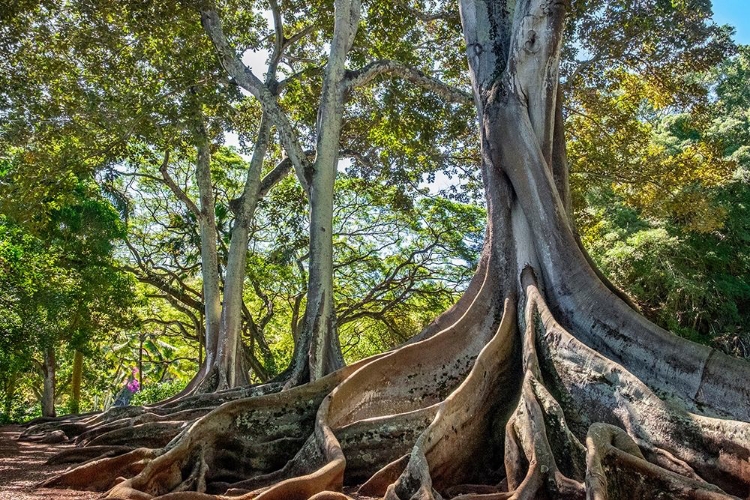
(225,366)
(317,351)
(539,383)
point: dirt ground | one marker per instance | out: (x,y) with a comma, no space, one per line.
(22,468)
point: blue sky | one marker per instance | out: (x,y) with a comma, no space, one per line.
(737,14)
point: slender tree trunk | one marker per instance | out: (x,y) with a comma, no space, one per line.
(225,365)
(230,369)
(200,333)
(140,361)
(209,326)
(48,394)
(209,254)
(11,386)
(317,351)
(75,395)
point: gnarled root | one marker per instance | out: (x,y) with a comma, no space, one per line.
(486,409)
(78,455)
(596,389)
(615,468)
(238,440)
(102,474)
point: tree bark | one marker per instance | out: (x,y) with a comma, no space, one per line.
(209,254)
(48,371)
(75,384)
(317,351)
(232,369)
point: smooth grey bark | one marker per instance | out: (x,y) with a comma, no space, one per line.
(317,350)
(209,254)
(230,354)
(244,77)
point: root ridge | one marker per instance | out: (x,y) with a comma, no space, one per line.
(563,420)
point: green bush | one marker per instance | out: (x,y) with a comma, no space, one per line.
(154,393)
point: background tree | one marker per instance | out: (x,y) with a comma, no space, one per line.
(62,290)
(677,244)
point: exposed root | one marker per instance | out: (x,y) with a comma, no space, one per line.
(615,465)
(78,455)
(74,426)
(214,399)
(238,440)
(485,409)
(378,483)
(454,448)
(149,435)
(598,390)
(103,474)
(538,423)
(413,383)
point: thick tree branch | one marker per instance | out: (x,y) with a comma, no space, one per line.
(279,172)
(366,74)
(144,275)
(274,176)
(278,45)
(426,16)
(248,81)
(166,288)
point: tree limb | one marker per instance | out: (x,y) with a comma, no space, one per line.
(248,81)
(279,172)
(177,190)
(364,75)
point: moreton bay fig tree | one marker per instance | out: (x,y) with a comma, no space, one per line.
(541,382)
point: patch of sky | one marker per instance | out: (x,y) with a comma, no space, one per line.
(735,13)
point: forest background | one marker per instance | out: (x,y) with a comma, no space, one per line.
(100,249)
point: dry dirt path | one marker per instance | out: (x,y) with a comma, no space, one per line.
(22,467)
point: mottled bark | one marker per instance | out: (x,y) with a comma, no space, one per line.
(209,254)
(230,354)
(225,366)
(75,383)
(317,350)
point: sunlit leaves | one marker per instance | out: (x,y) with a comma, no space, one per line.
(624,138)
(670,222)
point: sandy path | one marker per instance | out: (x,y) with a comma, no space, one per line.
(22,467)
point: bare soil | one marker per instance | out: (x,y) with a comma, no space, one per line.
(23,466)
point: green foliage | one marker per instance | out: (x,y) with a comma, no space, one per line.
(157,392)
(60,288)
(687,266)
